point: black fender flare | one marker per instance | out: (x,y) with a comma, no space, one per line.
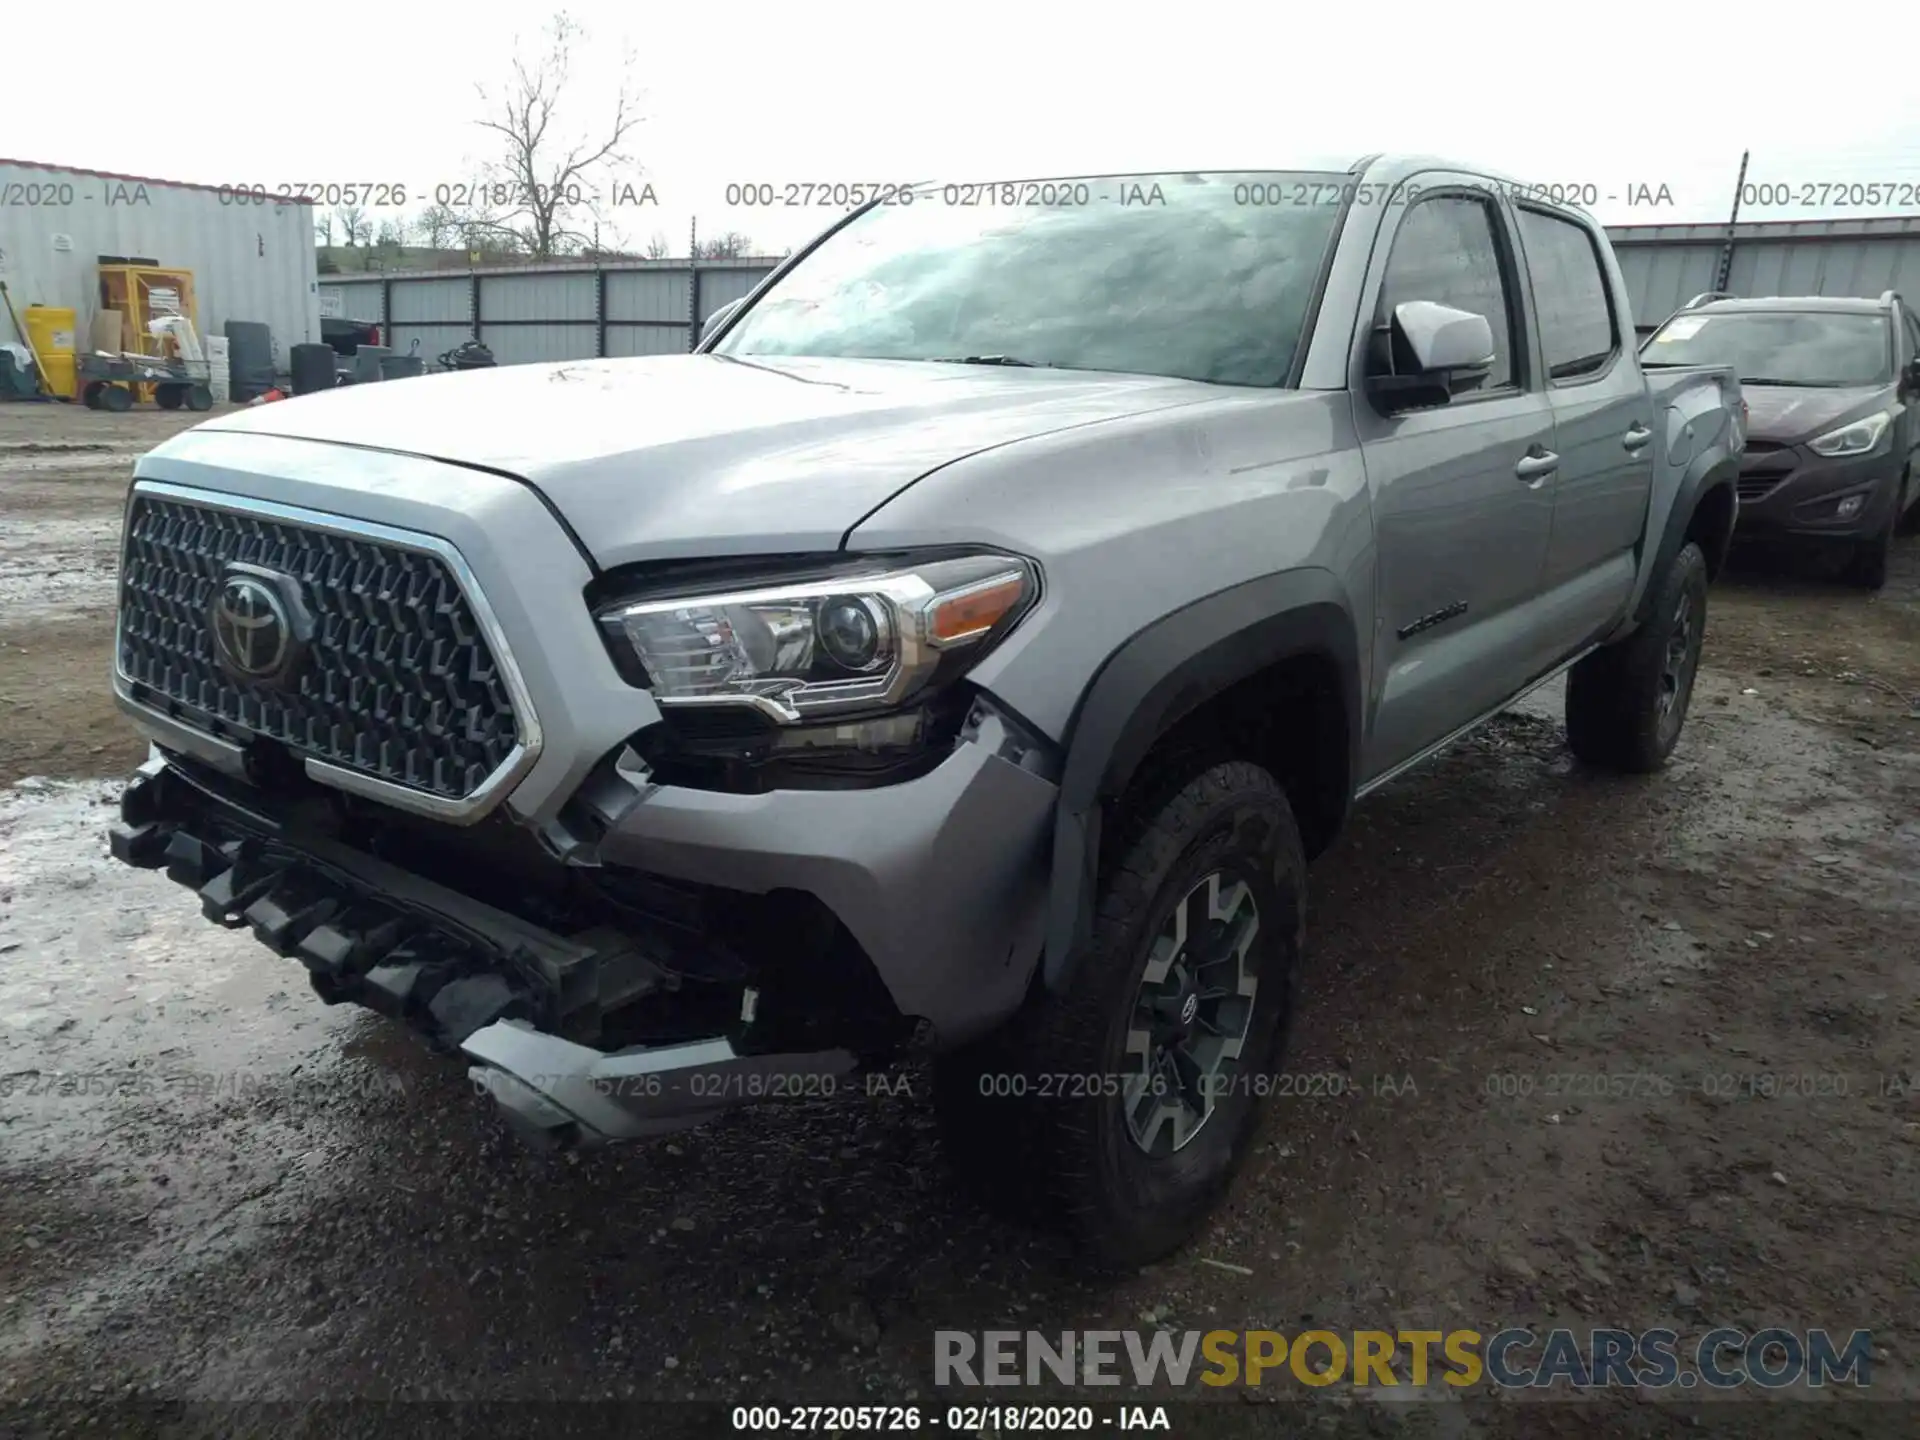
(1155,679)
(1714,468)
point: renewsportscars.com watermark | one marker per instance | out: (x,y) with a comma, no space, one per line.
(1509,1359)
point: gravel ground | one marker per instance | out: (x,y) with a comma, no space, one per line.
(269,1202)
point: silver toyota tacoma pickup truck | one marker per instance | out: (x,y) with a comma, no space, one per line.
(961,655)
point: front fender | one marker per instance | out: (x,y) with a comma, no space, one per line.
(1155,679)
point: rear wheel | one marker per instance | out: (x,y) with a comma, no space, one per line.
(1627,702)
(1121,1108)
(168,397)
(116,398)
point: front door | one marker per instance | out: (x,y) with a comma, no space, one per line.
(1462,492)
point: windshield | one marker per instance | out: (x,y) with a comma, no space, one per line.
(1199,276)
(1781,347)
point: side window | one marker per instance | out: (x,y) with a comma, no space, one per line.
(1577,329)
(1913,333)
(1446,251)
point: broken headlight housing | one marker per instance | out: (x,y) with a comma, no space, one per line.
(822,649)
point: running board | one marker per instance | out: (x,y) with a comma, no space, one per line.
(1472,725)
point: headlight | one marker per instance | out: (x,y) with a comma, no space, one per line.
(1854,439)
(821,648)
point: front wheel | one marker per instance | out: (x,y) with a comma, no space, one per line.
(1121,1108)
(1627,702)
(1870,562)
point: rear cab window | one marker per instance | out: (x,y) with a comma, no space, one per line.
(1579,331)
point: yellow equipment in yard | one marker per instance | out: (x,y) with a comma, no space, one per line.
(50,336)
(140,292)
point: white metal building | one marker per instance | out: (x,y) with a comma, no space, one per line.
(249,261)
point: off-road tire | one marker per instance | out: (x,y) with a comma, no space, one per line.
(1615,718)
(1029,1118)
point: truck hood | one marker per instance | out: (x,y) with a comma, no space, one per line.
(1787,414)
(706,455)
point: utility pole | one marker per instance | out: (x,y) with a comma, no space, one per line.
(1725,270)
(693,282)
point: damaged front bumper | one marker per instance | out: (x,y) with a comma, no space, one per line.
(520,1000)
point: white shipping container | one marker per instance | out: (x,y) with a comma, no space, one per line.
(249,261)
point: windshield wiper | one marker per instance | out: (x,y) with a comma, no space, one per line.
(1793,384)
(989,360)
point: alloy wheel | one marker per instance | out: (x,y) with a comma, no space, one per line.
(1191,1014)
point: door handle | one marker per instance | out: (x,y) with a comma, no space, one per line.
(1536,465)
(1636,437)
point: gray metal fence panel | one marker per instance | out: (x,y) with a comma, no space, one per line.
(362,300)
(647,340)
(561,311)
(1667,265)
(531,344)
(1662,279)
(721,287)
(432,302)
(648,295)
(536,297)
(431,339)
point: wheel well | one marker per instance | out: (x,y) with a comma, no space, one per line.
(1291,720)
(1711,526)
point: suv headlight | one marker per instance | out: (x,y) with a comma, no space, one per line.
(824,648)
(1856,438)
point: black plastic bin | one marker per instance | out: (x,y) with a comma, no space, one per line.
(312,368)
(249,359)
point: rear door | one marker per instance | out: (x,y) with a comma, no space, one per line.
(1462,492)
(1602,419)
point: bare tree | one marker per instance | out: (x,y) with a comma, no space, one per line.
(323,229)
(657,247)
(542,190)
(392,235)
(356,226)
(730,246)
(441,227)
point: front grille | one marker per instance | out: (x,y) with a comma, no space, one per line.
(1757,485)
(399,684)
(1763,467)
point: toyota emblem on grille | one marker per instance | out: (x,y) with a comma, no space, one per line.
(255,631)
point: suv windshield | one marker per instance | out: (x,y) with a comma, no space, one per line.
(1780,347)
(1198,276)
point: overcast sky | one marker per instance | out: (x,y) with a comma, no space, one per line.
(1616,96)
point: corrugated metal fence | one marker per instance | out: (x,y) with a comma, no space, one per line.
(1667,265)
(656,307)
(549,312)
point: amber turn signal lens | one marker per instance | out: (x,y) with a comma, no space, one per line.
(968,614)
